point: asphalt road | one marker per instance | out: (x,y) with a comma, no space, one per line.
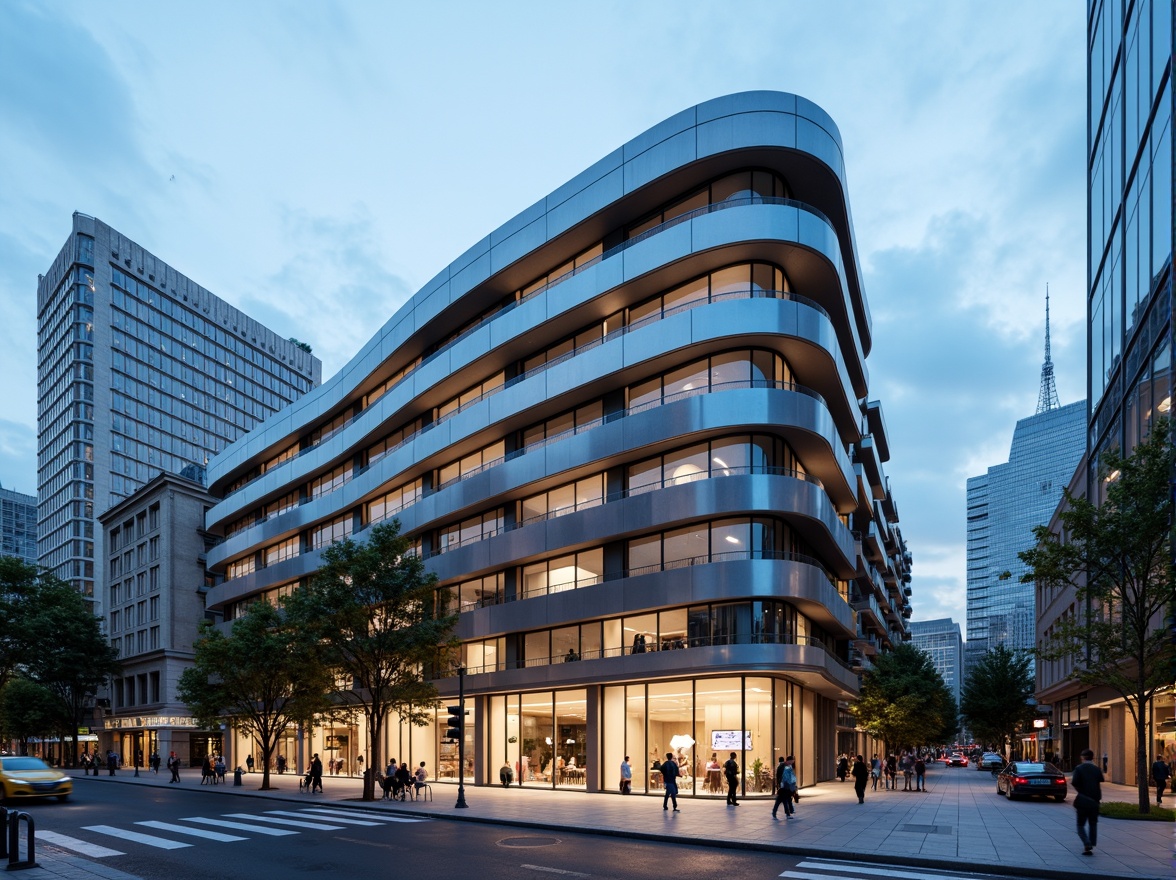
(280,839)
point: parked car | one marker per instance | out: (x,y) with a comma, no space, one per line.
(955,759)
(1033,779)
(24,777)
(990,761)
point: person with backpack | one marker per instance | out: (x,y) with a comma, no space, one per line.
(731,772)
(670,773)
(1160,775)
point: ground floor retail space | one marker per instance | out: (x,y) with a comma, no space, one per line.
(577,738)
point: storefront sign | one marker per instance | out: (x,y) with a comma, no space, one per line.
(141,721)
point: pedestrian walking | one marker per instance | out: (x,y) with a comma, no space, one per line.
(1160,774)
(785,787)
(731,772)
(842,768)
(920,775)
(154,762)
(860,774)
(1087,781)
(173,765)
(111,762)
(316,774)
(891,773)
(875,772)
(907,769)
(206,775)
(249,763)
(281,762)
(670,773)
(626,776)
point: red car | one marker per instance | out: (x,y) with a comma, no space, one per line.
(955,759)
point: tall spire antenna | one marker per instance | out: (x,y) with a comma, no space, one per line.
(1047,397)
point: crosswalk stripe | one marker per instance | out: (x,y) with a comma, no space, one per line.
(136,837)
(362,815)
(191,832)
(330,819)
(317,826)
(240,826)
(84,847)
(849,870)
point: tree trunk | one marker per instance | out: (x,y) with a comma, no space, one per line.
(267,752)
(375,736)
(1141,774)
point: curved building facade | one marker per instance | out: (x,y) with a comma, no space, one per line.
(631,432)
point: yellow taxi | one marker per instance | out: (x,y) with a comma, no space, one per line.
(25,777)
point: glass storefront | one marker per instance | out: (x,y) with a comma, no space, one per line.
(546,739)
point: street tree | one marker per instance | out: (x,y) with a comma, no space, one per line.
(261,678)
(18,585)
(69,654)
(995,700)
(28,709)
(373,610)
(904,701)
(1117,558)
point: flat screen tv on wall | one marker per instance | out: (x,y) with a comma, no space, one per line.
(731,740)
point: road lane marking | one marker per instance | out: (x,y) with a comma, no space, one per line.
(317,826)
(240,826)
(191,832)
(136,837)
(328,819)
(360,814)
(849,870)
(84,847)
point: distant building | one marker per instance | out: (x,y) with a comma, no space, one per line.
(139,371)
(18,525)
(153,559)
(942,641)
(1005,505)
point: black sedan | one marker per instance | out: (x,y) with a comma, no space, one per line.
(1031,778)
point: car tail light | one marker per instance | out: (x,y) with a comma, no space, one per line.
(1061,780)
(1020,780)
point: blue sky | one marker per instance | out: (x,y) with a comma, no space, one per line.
(315,164)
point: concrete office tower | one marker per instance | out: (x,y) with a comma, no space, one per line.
(139,371)
(630,428)
(1004,506)
(18,525)
(154,550)
(942,641)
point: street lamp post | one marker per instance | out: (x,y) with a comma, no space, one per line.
(461,801)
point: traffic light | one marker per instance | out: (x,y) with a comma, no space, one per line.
(456,722)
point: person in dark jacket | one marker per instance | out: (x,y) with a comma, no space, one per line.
(403,780)
(842,767)
(731,772)
(670,773)
(1087,781)
(1160,775)
(861,773)
(316,774)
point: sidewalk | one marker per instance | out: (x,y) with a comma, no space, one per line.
(959,824)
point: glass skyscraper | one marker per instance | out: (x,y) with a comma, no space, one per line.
(942,641)
(1130,160)
(139,371)
(1004,505)
(18,525)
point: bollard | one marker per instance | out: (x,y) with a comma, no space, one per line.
(14,861)
(237,776)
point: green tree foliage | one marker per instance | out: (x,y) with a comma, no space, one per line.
(1117,557)
(28,709)
(261,678)
(66,651)
(904,701)
(18,586)
(372,609)
(994,702)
